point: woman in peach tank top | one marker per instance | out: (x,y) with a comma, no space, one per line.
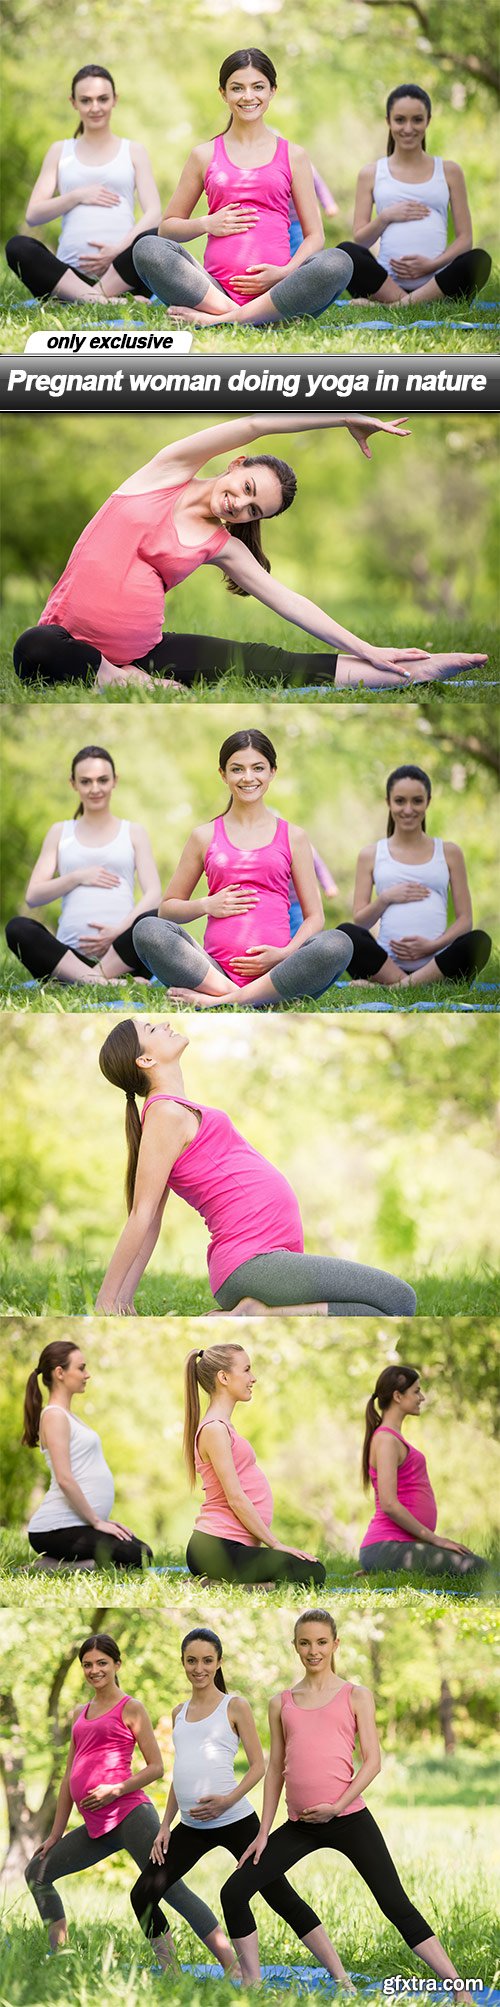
(233,1539)
(402,1532)
(314,1728)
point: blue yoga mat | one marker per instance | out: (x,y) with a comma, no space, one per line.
(311,1978)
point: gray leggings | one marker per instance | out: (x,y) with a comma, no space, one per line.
(172,955)
(415,1555)
(77,1851)
(180,281)
(349,1289)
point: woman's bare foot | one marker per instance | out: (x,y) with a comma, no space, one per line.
(201,999)
(110,673)
(249,1306)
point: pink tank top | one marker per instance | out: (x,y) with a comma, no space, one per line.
(113,589)
(414,1490)
(319,1752)
(248,1206)
(103,1755)
(215,1515)
(268,190)
(266,871)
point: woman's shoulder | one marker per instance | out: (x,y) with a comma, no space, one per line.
(369,851)
(202,152)
(367,173)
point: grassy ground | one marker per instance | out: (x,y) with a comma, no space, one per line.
(50,996)
(33,1288)
(234,687)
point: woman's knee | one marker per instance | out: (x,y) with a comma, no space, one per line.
(13,935)
(338,264)
(34,1872)
(405,1300)
(14,251)
(148,935)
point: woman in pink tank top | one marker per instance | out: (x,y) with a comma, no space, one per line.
(248,857)
(233,1540)
(402,1533)
(256,1255)
(314,1729)
(117,1814)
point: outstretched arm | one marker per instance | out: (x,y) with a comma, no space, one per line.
(162,1140)
(189,454)
(238,563)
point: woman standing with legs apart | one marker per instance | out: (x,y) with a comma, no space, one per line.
(91,182)
(106,612)
(256,1254)
(402,1533)
(412,875)
(251,861)
(214,1809)
(118,1816)
(233,1539)
(314,1727)
(73,1522)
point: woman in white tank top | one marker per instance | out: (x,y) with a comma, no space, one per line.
(404,199)
(90,182)
(73,1522)
(90,864)
(413,876)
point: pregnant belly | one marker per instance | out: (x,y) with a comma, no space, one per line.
(99,1767)
(426,239)
(424,918)
(266,925)
(268,243)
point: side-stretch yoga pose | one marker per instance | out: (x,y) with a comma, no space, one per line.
(233,1539)
(92,870)
(248,856)
(314,1727)
(91,182)
(250,176)
(118,1815)
(256,1252)
(214,1810)
(73,1522)
(411,875)
(411,196)
(402,1533)
(106,612)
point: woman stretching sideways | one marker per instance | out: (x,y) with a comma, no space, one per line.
(411,875)
(402,1533)
(314,1728)
(256,1253)
(233,1539)
(73,1522)
(411,196)
(106,612)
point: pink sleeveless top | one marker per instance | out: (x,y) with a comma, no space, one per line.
(268,190)
(319,1752)
(215,1515)
(248,1206)
(265,871)
(103,1755)
(112,591)
(414,1490)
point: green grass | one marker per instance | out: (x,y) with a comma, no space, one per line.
(234,687)
(50,996)
(33,1288)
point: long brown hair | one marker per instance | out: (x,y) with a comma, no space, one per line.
(250,533)
(393,1380)
(405,773)
(90,753)
(407,91)
(201,1370)
(118,1062)
(100,1641)
(56,1354)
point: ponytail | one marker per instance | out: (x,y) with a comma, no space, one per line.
(133,1138)
(393,1380)
(118,1062)
(201,1370)
(56,1354)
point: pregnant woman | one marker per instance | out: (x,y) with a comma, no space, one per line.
(314,1727)
(117,1814)
(250,177)
(92,183)
(256,1252)
(411,196)
(402,1533)
(106,612)
(214,1809)
(412,875)
(92,869)
(73,1523)
(233,1539)
(248,856)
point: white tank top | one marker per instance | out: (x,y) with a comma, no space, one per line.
(426,238)
(428,917)
(88,221)
(204,1764)
(91,1472)
(104,905)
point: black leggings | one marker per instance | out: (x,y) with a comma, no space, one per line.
(358,1837)
(231,1561)
(85,1543)
(460,961)
(460,280)
(39,951)
(187,1845)
(40,269)
(53,654)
